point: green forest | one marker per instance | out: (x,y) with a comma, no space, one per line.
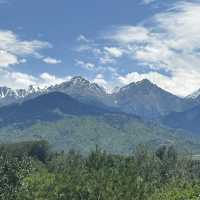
(31,171)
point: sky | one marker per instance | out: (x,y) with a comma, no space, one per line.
(112,43)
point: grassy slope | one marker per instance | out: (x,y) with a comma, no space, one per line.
(114,134)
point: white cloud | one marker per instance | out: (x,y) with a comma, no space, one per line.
(11,43)
(100,80)
(101,55)
(86,65)
(7,59)
(18,80)
(47,79)
(169,42)
(12,48)
(173,84)
(15,80)
(129,34)
(109,55)
(51,61)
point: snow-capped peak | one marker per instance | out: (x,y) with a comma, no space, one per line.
(33,89)
(76,86)
(5,91)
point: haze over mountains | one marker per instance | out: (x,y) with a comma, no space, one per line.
(80,114)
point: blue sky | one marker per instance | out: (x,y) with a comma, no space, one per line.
(109,42)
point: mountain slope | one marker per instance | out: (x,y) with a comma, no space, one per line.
(147,100)
(78,87)
(9,96)
(113,133)
(46,107)
(193,99)
(68,124)
(83,90)
(188,120)
(143,98)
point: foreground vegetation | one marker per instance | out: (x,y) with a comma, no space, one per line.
(29,171)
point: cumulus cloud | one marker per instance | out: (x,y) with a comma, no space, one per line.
(109,55)
(47,79)
(10,42)
(13,51)
(100,80)
(52,61)
(12,48)
(18,80)
(7,59)
(169,41)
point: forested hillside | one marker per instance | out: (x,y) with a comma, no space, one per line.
(119,134)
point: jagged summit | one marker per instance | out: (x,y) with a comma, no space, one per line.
(145,84)
(18,93)
(142,98)
(33,89)
(9,96)
(79,85)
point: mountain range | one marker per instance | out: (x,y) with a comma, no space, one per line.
(66,124)
(143,98)
(79,114)
(9,96)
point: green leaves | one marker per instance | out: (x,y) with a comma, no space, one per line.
(12,172)
(39,186)
(146,175)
